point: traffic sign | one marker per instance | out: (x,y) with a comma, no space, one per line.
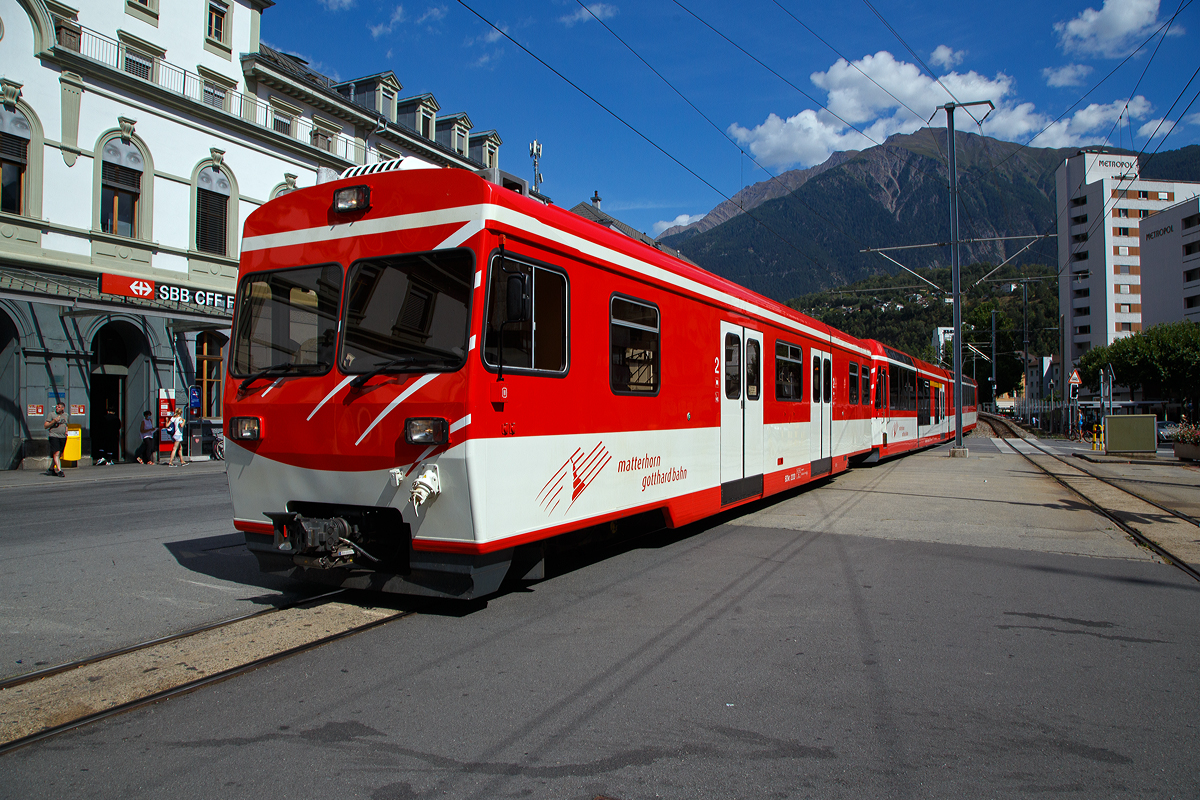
(194,396)
(1075,381)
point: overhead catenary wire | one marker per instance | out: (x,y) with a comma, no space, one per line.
(637,132)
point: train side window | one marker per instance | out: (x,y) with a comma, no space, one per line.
(894,390)
(634,346)
(753,370)
(880,386)
(828,382)
(866,384)
(539,343)
(816,381)
(733,366)
(789,372)
(852,384)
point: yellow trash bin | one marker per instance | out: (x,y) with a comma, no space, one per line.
(74,448)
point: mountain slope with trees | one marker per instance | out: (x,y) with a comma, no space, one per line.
(809,239)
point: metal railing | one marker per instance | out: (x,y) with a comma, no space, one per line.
(131,61)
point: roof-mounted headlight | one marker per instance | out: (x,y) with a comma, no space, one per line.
(352,198)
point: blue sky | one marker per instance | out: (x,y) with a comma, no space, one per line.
(758,77)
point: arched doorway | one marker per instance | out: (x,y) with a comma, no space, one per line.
(120,391)
(12,421)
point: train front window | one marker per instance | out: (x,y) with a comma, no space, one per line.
(287,319)
(407,313)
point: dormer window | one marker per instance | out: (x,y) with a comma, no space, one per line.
(426,128)
(389,104)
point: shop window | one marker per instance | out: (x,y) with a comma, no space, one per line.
(634,347)
(210,354)
(539,343)
(789,372)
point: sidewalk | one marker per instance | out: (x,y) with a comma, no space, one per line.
(117,472)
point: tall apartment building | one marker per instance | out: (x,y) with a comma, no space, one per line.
(136,136)
(1102,205)
(1171,264)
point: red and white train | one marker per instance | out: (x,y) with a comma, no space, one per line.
(431,374)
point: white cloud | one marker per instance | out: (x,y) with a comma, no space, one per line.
(1111,32)
(385,28)
(432,14)
(947,58)
(337,5)
(600,10)
(1070,75)
(810,136)
(1194,119)
(682,219)
(1155,128)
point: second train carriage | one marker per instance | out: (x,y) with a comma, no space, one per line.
(431,374)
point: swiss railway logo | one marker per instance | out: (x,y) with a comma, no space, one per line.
(580,470)
(141,288)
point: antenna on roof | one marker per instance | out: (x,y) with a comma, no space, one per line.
(535,152)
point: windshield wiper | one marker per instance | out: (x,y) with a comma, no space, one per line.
(274,369)
(395,362)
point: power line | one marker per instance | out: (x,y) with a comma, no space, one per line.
(641,135)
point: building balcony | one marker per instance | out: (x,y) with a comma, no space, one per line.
(211,94)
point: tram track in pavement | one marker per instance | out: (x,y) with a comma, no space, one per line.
(50,702)
(1006,430)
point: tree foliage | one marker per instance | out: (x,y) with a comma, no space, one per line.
(1162,361)
(901,312)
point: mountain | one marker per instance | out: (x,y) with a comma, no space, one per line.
(805,239)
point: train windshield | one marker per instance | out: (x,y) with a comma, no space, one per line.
(287,320)
(408,312)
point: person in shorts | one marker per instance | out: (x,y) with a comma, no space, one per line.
(56,425)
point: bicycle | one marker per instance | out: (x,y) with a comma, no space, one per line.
(218,445)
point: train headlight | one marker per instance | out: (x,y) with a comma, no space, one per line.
(246,429)
(426,430)
(352,198)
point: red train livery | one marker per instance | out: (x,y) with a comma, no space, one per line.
(431,374)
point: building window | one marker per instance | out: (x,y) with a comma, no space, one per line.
(426,126)
(1083,311)
(1079,237)
(389,105)
(1122,308)
(1079,201)
(214,95)
(1082,256)
(1191,222)
(138,64)
(1192,302)
(1123,269)
(15,135)
(634,346)
(1120,231)
(217,15)
(1191,275)
(1082,329)
(1145,212)
(1122,212)
(121,170)
(1080,220)
(1124,326)
(1083,292)
(281,122)
(212,212)
(1191,248)
(1143,195)
(210,354)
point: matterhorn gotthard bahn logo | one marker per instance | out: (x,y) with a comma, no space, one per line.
(583,467)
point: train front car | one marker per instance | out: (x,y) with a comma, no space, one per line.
(347,384)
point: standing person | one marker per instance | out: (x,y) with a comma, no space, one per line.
(56,424)
(175,428)
(149,437)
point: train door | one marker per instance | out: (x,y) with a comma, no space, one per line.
(879,432)
(821,451)
(741,413)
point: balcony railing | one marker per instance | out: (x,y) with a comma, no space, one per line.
(128,59)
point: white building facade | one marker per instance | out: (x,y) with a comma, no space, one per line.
(136,136)
(1170,242)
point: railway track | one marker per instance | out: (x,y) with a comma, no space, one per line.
(40,705)
(1067,477)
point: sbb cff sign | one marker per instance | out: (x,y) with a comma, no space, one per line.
(147,289)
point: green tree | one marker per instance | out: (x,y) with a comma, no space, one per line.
(1162,361)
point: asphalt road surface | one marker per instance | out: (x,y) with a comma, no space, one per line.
(736,659)
(87,566)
